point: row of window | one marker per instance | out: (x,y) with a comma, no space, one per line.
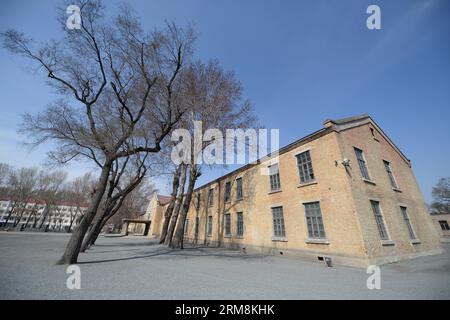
(306,171)
(239,193)
(314,222)
(306,175)
(227,225)
(381,225)
(365,171)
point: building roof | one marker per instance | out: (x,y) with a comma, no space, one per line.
(163,200)
(330,125)
(39,201)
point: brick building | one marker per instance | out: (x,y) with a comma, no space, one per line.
(345,191)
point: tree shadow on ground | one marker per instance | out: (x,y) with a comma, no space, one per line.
(187,253)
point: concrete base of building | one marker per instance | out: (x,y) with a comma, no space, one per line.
(320,256)
(445,239)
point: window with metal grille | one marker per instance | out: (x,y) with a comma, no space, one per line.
(379,219)
(228,224)
(274,177)
(239,193)
(408,223)
(388,168)
(209,226)
(444,225)
(305,168)
(278,222)
(362,163)
(314,220)
(227,191)
(211,197)
(240,224)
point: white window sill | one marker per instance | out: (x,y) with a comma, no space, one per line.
(274,191)
(317,241)
(310,183)
(387,243)
(397,190)
(415,241)
(280,239)
(369,182)
(227,236)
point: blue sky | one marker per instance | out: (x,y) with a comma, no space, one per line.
(300,62)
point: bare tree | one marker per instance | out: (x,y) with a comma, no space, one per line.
(441,196)
(120,89)
(21,188)
(215,98)
(119,188)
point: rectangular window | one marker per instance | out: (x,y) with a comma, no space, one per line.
(408,223)
(444,225)
(197,223)
(198,201)
(240,224)
(274,176)
(314,220)
(209,226)
(387,166)
(211,197)
(379,219)
(278,222)
(305,168)
(227,225)
(362,163)
(186,225)
(239,193)
(227,191)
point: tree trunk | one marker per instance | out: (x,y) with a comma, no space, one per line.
(87,242)
(169,210)
(10,213)
(44,215)
(177,239)
(73,247)
(173,220)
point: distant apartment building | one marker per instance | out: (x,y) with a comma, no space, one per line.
(442,224)
(345,192)
(35,214)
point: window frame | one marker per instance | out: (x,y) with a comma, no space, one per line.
(274,178)
(240,224)
(278,224)
(378,215)
(227,225)
(407,220)
(390,173)
(211,197)
(315,229)
(227,191)
(209,225)
(239,188)
(308,171)
(362,164)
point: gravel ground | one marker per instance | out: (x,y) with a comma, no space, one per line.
(136,268)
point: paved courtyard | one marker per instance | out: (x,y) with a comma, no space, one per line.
(135,268)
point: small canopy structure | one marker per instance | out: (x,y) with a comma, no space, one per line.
(126,223)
